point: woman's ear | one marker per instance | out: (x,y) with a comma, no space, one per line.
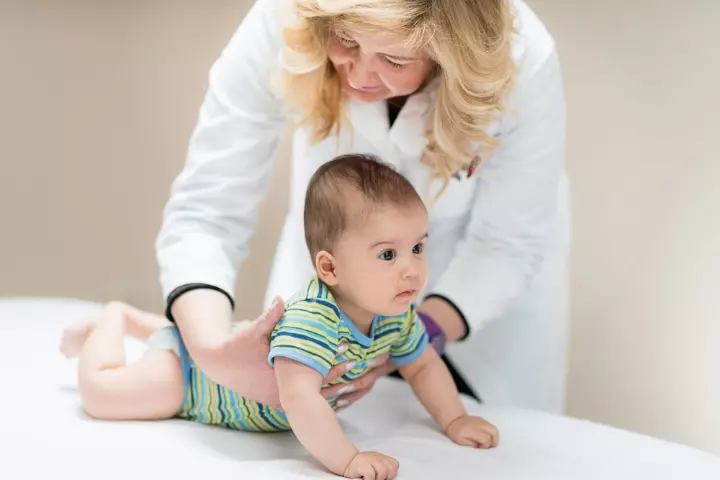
(325,267)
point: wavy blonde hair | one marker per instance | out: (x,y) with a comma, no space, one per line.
(469,40)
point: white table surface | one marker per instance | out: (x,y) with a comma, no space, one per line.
(45,434)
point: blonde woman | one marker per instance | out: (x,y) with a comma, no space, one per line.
(464,98)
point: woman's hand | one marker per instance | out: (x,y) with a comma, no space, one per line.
(240,363)
(352,392)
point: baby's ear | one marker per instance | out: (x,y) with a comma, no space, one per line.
(325,267)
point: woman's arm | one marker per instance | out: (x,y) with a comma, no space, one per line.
(213,206)
(514,216)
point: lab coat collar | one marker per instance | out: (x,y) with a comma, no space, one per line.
(407,133)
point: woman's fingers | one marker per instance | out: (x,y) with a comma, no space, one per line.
(379,361)
(350,398)
(353,391)
(265,323)
(360,384)
(384,369)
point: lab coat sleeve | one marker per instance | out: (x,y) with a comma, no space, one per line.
(516,208)
(214,201)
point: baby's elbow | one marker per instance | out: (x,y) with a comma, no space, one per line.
(294,399)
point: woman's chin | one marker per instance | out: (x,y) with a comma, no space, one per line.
(367,97)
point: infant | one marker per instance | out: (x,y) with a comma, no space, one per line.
(365,229)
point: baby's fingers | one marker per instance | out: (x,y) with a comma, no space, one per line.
(483,438)
(494,435)
(392,468)
(465,441)
(368,472)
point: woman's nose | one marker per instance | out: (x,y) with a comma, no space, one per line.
(360,73)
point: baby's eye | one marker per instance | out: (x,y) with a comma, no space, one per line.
(388,255)
(418,249)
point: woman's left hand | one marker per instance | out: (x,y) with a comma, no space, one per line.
(352,392)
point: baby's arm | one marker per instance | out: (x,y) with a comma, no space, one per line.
(434,387)
(312,419)
(315,425)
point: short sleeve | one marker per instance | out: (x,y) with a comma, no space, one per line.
(412,341)
(307,333)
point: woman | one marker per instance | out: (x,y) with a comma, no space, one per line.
(464,97)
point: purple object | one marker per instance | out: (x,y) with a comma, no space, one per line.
(435,334)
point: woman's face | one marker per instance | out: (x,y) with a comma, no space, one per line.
(373,69)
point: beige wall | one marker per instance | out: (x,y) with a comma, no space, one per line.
(642,83)
(97,100)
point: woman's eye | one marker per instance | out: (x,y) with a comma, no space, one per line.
(387,255)
(418,249)
(345,40)
(393,64)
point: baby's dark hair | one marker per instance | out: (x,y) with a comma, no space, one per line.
(336,183)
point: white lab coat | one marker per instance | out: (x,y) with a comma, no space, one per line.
(498,240)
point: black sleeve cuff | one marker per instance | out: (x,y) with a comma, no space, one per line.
(182,289)
(459,312)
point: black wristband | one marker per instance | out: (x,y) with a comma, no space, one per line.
(457,310)
(182,289)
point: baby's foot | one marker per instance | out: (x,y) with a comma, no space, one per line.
(74,337)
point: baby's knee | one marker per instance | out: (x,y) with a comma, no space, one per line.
(116,306)
(97,393)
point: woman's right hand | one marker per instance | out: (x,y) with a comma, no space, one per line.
(240,362)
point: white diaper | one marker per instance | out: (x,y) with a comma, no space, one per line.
(167,339)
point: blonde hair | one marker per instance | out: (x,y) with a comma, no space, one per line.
(469,40)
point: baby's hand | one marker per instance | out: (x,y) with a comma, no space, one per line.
(372,466)
(473,432)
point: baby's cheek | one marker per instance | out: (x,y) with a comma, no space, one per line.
(370,283)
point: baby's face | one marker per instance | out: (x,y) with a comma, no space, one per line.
(381,267)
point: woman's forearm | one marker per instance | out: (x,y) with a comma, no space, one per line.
(204,318)
(446,317)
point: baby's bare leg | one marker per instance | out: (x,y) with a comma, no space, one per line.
(138,324)
(150,389)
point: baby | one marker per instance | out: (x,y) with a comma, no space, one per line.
(365,228)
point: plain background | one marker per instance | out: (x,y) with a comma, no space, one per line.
(98,99)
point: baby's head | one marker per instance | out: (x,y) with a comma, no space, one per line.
(365,228)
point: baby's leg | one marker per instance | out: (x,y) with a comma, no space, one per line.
(138,324)
(150,389)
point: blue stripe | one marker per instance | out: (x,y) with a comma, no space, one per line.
(299,357)
(324,303)
(406,359)
(268,418)
(298,336)
(311,317)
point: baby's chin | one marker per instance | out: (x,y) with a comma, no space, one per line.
(396,307)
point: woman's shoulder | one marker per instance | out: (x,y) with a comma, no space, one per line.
(533,43)
(260,31)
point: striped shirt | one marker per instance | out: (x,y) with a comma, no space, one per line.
(310,332)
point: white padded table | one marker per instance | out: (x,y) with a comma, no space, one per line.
(45,434)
